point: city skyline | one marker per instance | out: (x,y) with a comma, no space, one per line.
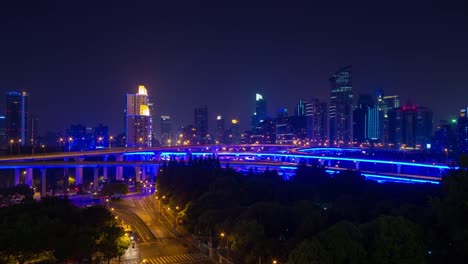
(84,66)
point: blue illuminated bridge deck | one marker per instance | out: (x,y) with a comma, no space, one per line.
(282,158)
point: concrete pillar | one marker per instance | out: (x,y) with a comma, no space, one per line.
(28,179)
(137,174)
(96,178)
(329,163)
(79,173)
(398,168)
(143,173)
(66,176)
(322,162)
(104,170)
(119,169)
(357,165)
(43,182)
(17,176)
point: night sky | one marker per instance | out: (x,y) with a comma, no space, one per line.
(78,59)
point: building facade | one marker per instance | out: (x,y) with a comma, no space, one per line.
(341,108)
(17,116)
(138,119)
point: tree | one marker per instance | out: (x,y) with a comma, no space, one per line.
(391,239)
(113,242)
(310,251)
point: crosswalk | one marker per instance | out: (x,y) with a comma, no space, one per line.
(180,258)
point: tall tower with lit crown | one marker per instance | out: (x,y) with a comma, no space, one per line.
(138,119)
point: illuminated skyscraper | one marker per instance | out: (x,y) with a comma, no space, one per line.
(341,108)
(260,112)
(386,104)
(17,117)
(201,124)
(462,131)
(166,130)
(317,122)
(410,126)
(138,119)
(219,129)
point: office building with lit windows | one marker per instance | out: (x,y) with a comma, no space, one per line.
(17,117)
(462,131)
(166,130)
(201,125)
(341,108)
(138,119)
(410,126)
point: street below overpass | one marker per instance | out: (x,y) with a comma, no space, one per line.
(156,241)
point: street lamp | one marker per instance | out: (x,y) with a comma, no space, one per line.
(224,235)
(110,141)
(70,139)
(19,146)
(60,144)
(446,154)
(107,201)
(11,146)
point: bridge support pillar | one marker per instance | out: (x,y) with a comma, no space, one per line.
(398,168)
(322,162)
(137,174)
(143,173)
(329,163)
(78,175)
(357,165)
(104,170)
(43,182)
(17,176)
(96,178)
(65,176)
(119,169)
(28,179)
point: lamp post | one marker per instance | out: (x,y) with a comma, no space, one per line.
(110,141)
(70,139)
(60,144)
(224,235)
(11,146)
(446,154)
(19,146)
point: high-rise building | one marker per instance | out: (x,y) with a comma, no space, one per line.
(17,117)
(341,108)
(385,104)
(233,136)
(201,124)
(220,132)
(410,126)
(360,118)
(462,131)
(284,130)
(166,130)
(445,137)
(260,112)
(138,119)
(301,108)
(317,122)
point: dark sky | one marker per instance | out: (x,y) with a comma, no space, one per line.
(78,59)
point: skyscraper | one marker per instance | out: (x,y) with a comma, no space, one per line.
(138,119)
(260,112)
(360,118)
(17,117)
(201,124)
(386,104)
(166,130)
(219,129)
(341,107)
(317,122)
(462,131)
(410,126)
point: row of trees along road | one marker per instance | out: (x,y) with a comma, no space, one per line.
(56,228)
(315,218)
